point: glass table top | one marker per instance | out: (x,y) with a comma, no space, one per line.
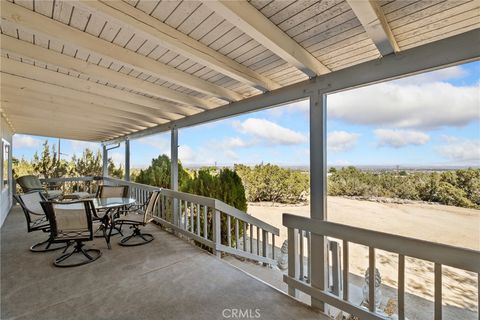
(107,203)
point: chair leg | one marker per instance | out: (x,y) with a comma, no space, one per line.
(137,233)
(46,246)
(90,254)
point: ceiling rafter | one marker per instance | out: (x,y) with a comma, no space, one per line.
(38,53)
(179,42)
(74,88)
(247,18)
(371,16)
(54,29)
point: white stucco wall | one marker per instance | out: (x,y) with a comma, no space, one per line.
(6,192)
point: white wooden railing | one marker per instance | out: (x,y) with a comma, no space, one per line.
(439,254)
(210,222)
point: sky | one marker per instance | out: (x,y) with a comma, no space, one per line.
(432,119)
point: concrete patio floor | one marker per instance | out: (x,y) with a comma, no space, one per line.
(166,279)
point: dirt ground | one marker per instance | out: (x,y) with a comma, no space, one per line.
(437,223)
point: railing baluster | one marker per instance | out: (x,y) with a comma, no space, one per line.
(401,287)
(205,222)
(258,241)
(301,274)
(192,229)
(309,261)
(185,214)
(273,246)
(292,263)
(237,235)
(345,270)
(438,291)
(251,238)
(244,236)
(371,279)
(264,243)
(229,233)
(198,220)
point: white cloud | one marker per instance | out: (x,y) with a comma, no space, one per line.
(461,150)
(400,138)
(156,141)
(339,141)
(117,158)
(231,155)
(79,146)
(186,154)
(25,141)
(297,106)
(235,142)
(270,132)
(425,106)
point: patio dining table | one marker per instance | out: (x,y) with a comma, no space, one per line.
(111,206)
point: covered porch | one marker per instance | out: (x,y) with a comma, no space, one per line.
(114,71)
(168,279)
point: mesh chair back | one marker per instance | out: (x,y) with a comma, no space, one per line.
(30,183)
(112,192)
(32,208)
(71,220)
(151,205)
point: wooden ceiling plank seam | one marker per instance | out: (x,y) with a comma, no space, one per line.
(419,10)
(40,23)
(133,101)
(116,105)
(179,42)
(97,71)
(50,98)
(337,38)
(450,30)
(435,17)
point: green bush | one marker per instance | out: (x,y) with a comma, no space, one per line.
(158,173)
(272,183)
(224,185)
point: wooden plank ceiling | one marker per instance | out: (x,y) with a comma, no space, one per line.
(96,70)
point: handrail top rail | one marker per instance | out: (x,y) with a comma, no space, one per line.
(70,179)
(134,184)
(462,258)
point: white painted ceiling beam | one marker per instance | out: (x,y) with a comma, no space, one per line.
(86,103)
(69,86)
(247,18)
(24,100)
(37,53)
(375,24)
(56,30)
(179,42)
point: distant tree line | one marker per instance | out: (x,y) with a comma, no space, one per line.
(459,188)
(49,165)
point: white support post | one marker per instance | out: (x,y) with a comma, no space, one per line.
(318,191)
(174,171)
(127,160)
(105,161)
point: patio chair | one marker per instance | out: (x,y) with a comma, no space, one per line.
(71,222)
(31,183)
(112,191)
(104,191)
(136,218)
(36,219)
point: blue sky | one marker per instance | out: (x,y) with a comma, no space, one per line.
(432,119)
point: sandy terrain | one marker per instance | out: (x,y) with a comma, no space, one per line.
(437,223)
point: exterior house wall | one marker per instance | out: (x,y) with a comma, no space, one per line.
(6,191)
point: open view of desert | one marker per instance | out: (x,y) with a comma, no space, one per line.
(431,222)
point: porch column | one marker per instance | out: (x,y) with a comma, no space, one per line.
(174,171)
(174,160)
(318,190)
(127,159)
(105,161)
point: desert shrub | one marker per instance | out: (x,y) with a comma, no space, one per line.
(272,183)
(224,185)
(158,173)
